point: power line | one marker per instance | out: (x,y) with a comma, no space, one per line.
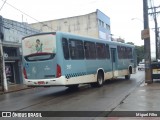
(3,5)
(154,13)
(27,14)
(152,4)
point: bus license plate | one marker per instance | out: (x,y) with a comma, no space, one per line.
(41,82)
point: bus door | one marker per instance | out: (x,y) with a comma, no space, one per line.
(114,61)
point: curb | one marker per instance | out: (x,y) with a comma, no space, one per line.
(10,91)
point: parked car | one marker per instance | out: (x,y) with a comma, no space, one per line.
(141,66)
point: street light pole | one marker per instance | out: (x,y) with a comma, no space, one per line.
(147,50)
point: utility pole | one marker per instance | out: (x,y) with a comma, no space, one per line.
(154,13)
(147,50)
(2,63)
(3,73)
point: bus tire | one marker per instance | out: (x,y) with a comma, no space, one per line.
(100,81)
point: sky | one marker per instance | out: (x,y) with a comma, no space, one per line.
(126,16)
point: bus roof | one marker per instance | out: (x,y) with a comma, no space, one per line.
(39,34)
(84,37)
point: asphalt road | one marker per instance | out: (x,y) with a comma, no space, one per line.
(86,98)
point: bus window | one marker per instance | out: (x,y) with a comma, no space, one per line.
(65,48)
(90,51)
(39,56)
(124,52)
(107,51)
(101,51)
(40,47)
(76,49)
(121,52)
(130,53)
(113,53)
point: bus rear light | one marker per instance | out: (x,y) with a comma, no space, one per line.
(24,73)
(58,71)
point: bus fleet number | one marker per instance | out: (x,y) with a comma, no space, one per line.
(68,67)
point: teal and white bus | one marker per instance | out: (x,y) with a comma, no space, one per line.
(58,58)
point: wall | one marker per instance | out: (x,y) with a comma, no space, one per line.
(95,24)
(103,26)
(86,25)
(14,31)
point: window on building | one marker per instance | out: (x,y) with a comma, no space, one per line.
(104,25)
(101,23)
(107,27)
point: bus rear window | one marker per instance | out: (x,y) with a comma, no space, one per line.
(39,57)
(44,43)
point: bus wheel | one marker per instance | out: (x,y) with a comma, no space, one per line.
(127,77)
(100,81)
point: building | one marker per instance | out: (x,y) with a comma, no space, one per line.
(11,33)
(95,24)
(118,40)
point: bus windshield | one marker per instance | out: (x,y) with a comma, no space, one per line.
(39,47)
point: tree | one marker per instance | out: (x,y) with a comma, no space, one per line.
(130,43)
(140,53)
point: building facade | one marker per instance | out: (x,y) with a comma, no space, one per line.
(95,24)
(11,33)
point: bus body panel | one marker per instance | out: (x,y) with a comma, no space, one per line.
(41,70)
(69,68)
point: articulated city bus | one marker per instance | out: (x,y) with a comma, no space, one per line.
(57,58)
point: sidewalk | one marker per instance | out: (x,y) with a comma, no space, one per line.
(13,88)
(142,104)
(145,98)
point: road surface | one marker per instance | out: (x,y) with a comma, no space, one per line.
(86,98)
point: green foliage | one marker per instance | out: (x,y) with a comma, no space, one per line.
(130,43)
(140,53)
